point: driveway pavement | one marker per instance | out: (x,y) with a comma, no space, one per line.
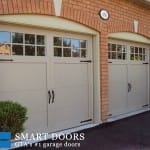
(127,134)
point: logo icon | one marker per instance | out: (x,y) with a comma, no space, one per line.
(5,139)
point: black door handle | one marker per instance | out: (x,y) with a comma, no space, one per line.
(53,96)
(49,94)
(129,87)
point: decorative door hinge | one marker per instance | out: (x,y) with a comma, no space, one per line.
(110,115)
(86,121)
(6,60)
(89,61)
(145,105)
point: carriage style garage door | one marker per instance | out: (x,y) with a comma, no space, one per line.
(128,77)
(50,73)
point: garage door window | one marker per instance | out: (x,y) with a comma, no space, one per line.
(22,44)
(137,53)
(69,47)
(5,46)
(117,51)
(121,52)
(17,43)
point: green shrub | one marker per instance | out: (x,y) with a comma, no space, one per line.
(12,117)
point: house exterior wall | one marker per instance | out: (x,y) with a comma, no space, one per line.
(122,16)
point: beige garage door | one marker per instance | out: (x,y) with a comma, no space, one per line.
(50,73)
(128,77)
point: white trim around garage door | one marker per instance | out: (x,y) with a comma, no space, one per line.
(59,24)
(47,22)
(127,36)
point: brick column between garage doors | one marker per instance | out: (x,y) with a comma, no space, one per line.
(104,75)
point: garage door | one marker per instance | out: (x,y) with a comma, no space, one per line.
(50,73)
(128,77)
(72,77)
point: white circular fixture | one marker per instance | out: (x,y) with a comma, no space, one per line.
(104,14)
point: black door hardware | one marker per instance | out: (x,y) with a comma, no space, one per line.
(86,121)
(49,99)
(145,105)
(53,96)
(6,60)
(129,87)
(89,61)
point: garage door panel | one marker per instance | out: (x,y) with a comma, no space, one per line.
(35,102)
(117,88)
(138,77)
(71,95)
(70,75)
(73,106)
(22,76)
(25,83)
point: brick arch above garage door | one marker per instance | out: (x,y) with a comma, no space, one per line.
(46,7)
(86,15)
(115,27)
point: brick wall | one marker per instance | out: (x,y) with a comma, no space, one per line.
(122,15)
